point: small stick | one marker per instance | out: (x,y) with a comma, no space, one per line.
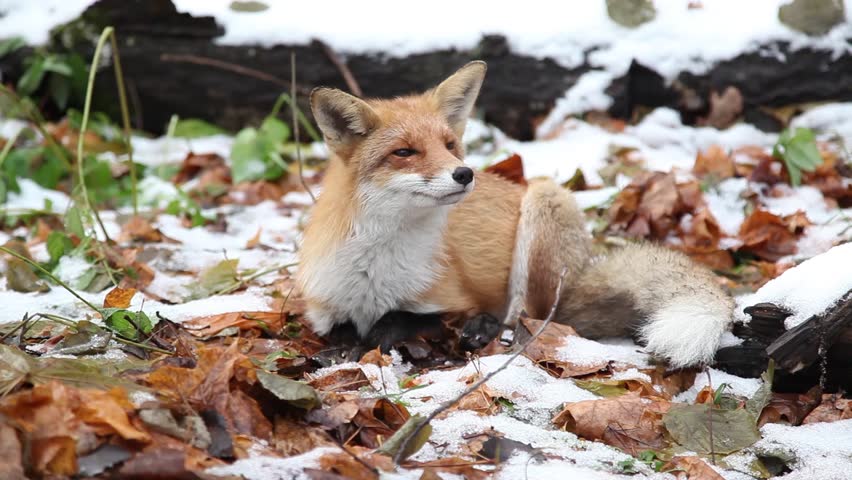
(228,66)
(710,416)
(343,68)
(296,126)
(397,458)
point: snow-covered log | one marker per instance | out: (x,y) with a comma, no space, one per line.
(230,68)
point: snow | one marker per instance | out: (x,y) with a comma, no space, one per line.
(71,268)
(33,197)
(809,288)
(272,468)
(823,450)
(582,351)
(743,387)
(691,36)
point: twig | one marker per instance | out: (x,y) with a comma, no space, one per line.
(343,68)
(228,66)
(710,416)
(397,458)
(296,126)
(125,120)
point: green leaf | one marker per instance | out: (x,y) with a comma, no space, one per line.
(58,244)
(57,64)
(247,156)
(60,90)
(798,150)
(74,222)
(216,278)
(51,170)
(275,130)
(122,322)
(295,393)
(689,426)
(393,444)
(32,77)
(196,128)
(248,6)
(9,45)
(604,389)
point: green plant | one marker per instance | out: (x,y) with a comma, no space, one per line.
(798,150)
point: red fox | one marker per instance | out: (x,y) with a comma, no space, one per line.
(402,224)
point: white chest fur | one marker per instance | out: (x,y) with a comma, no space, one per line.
(387,263)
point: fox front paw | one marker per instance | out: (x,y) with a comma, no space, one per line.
(478,332)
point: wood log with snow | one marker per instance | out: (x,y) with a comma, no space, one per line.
(803,321)
(230,67)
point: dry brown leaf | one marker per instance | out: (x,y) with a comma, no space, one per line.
(767,236)
(139,229)
(543,350)
(213,324)
(724,108)
(797,222)
(343,464)
(714,162)
(672,382)
(45,417)
(195,163)
(629,422)
(255,240)
(832,409)
(375,357)
(789,408)
(511,169)
(106,412)
(252,193)
(119,297)
(291,437)
(343,380)
(481,401)
(11,454)
(378,419)
(691,468)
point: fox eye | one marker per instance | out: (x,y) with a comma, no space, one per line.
(451,145)
(404,152)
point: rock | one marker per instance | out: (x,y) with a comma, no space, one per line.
(630,13)
(813,17)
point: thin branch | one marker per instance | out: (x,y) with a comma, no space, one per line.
(296,126)
(397,458)
(227,66)
(710,416)
(343,68)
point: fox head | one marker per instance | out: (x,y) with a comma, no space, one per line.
(404,151)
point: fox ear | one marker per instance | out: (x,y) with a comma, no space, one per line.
(342,118)
(457,94)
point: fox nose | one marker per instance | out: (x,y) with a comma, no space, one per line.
(463,175)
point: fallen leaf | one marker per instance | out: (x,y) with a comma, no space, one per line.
(21,278)
(193,164)
(691,468)
(767,236)
(255,240)
(511,169)
(290,437)
(11,454)
(453,466)
(690,426)
(106,412)
(378,419)
(295,393)
(343,464)
(103,458)
(629,422)
(375,357)
(119,297)
(213,324)
(139,229)
(544,349)
(833,408)
(724,108)
(715,163)
(343,380)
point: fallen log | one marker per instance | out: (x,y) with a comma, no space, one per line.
(817,351)
(173,65)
